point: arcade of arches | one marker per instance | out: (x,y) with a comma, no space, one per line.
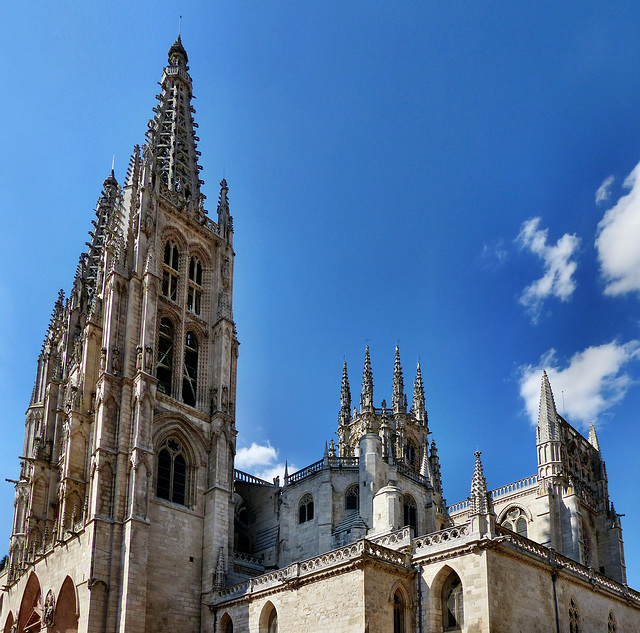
(55,611)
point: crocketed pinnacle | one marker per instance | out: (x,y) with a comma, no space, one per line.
(345,391)
(547,415)
(478,488)
(171,136)
(225,221)
(398,399)
(418,397)
(366,398)
(593,438)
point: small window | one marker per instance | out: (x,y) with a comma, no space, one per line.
(409,507)
(305,509)
(574,617)
(170,271)
(352,498)
(164,369)
(516,521)
(452,606)
(171,482)
(398,613)
(410,453)
(612,626)
(190,370)
(194,294)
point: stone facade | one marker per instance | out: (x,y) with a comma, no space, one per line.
(129,516)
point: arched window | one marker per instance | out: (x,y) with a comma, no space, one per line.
(226,625)
(612,626)
(268,619)
(452,608)
(398,613)
(410,454)
(273,622)
(352,498)
(164,370)
(574,616)
(194,294)
(516,521)
(170,271)
(409,507)
(190,371)
(305,509)
(171,483)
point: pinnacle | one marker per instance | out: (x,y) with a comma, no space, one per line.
(345,391)
(478,487)
(366,399)
(398,384)
(418,396)
(547,415)
(177,49)
(593,438)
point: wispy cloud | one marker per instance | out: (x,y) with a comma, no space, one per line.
(557,280)
(261,461)
(618,238)
(592,381)
(494,254)
(604,190)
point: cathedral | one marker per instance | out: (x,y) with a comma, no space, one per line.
(130,517)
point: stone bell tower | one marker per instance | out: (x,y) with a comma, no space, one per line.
(126,475)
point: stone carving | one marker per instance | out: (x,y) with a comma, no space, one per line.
(115,362)
(139,357)
(214,399)
(103,359)
(148,358)
(225,399)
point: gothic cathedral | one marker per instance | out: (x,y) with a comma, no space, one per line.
(129,515)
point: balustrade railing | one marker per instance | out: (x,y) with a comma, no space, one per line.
(304,473)
(246,478)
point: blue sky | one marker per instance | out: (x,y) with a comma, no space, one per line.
(458,177)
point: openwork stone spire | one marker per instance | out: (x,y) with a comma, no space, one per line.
(418,397)
(397,402)
(345,396)
(548,428)
(478,488)
(105,225)
(171,136)
(366,398)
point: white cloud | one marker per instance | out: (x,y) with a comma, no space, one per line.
(557,280)
(604,190)
(617,240)
(592,382)
(261,461)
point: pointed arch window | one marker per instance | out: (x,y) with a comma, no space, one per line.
(170,271)
(410,453)
(352,498)
(452,605)
(612,625)
(410,512)
(194,294)
(399,610)
(164,369)
(171,483)
(305,509)
(516,521)
(190,370)
(574,616)
(273,622)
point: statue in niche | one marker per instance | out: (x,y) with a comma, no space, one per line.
(115,362)
(225,399)
(214,399)
(225,271)
(103,359)
(139,357)
(148,358)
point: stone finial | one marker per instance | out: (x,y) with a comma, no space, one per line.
(366,398)
(177,55)
(478,488)
(398,398)
(548,428)
(418,397)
